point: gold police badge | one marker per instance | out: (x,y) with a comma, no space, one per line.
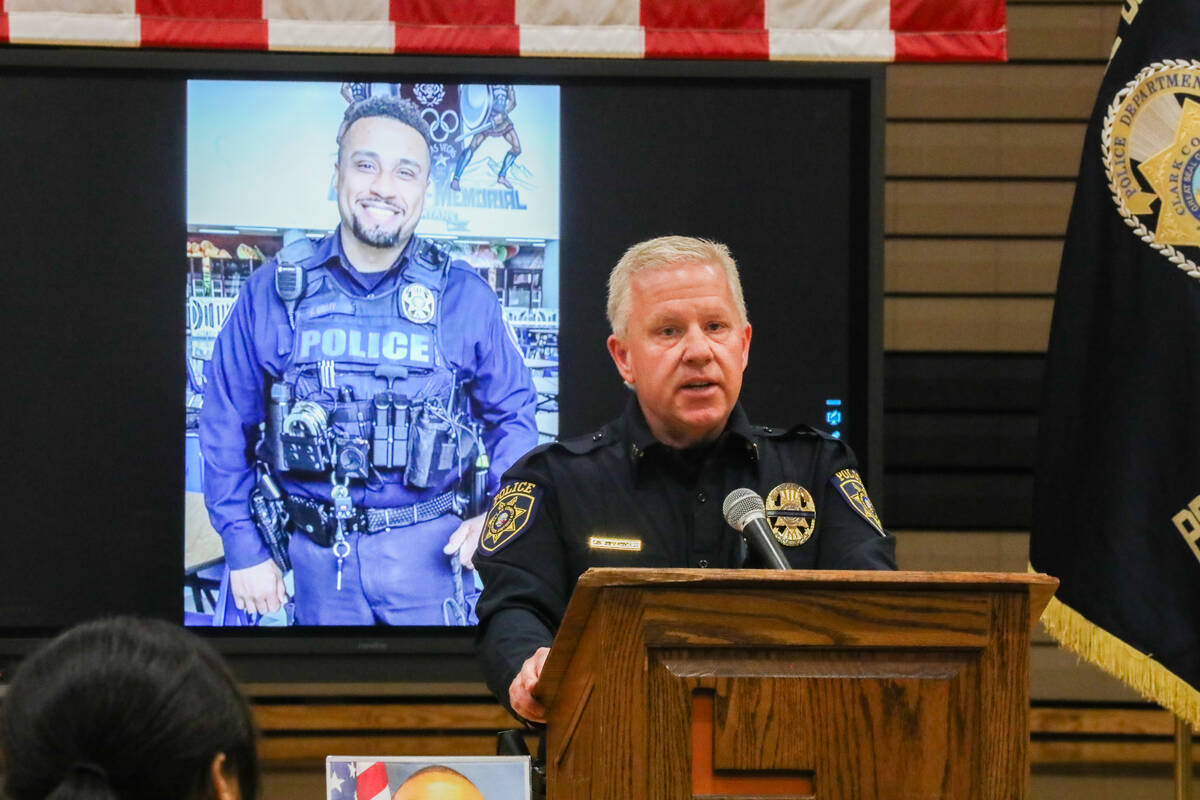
(1150,146)
(791,514)
(512,510)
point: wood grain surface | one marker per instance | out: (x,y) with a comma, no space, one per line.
(990,149)
(971,266)
(877,685)
(974,324)
(955,207)
(1060,92)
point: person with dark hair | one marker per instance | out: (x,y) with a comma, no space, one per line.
(127,708)
(362,386)
(386,107)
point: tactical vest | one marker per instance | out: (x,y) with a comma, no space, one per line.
(366,388)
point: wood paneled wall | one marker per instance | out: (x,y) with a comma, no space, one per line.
(981,164)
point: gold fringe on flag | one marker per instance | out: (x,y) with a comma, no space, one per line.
(1140,671)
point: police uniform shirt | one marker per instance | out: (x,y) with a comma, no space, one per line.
(255,346)
(620,498)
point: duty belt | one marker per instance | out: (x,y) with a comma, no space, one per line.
(316,519)
(380,519)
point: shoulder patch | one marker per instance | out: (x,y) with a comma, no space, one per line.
(854,493)
(514,507)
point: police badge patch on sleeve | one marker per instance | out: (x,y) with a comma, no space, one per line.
(513,509)
(851,487)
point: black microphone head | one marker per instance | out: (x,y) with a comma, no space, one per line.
(742,505)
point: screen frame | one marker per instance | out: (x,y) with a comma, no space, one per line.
(441,659)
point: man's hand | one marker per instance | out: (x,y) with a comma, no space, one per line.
(520,691)
(465,540)
(258,589)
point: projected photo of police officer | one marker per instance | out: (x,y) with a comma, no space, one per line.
(362,398)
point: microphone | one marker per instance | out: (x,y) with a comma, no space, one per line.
(745,512)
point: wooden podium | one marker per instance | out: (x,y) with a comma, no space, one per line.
(687,683)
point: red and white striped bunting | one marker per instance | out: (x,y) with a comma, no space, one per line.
(797,30)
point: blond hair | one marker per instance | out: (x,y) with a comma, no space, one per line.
(660,253)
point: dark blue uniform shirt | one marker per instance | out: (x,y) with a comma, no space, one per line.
(589,501)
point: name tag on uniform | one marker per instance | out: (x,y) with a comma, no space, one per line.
(612,543)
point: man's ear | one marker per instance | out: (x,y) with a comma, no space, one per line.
(746,348)
(223,783)
(620,357)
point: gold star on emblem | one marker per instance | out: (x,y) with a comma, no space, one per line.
(505,518)
(513,509)
(1174,174)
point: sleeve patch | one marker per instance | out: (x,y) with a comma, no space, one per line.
(515,506)
(853,491)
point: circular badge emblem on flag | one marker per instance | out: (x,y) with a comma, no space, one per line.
(791,514)
(416,302)
(1150,145)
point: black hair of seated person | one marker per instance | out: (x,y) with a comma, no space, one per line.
(126,708)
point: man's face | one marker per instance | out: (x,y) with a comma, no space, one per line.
(684,351)
(382,175)
(437,786)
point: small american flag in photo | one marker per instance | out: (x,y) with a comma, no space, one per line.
(384,777)
(358,780)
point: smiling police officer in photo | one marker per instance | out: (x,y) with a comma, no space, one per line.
(357,382)
(646,489)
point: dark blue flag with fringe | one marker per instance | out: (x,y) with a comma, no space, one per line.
(1117,487)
